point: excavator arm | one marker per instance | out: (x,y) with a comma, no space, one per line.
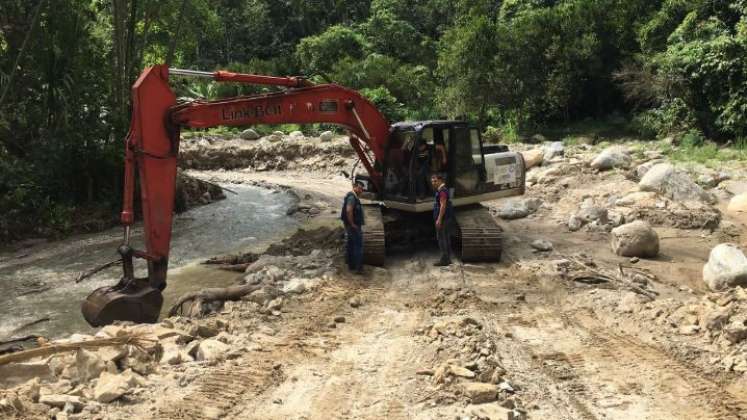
(152,147)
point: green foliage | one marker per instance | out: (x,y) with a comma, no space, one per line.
(678,66)
(385,102)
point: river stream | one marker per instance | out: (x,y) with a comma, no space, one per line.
(39,282)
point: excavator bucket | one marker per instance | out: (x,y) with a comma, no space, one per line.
(134,301)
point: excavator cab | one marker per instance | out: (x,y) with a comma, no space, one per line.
(473,171)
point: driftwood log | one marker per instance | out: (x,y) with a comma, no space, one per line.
(51,349)
(197,299)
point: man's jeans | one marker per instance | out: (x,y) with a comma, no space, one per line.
(354,248)
(443,242)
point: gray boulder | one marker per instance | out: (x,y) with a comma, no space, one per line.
(296,134)
(674,184)
(326,136)
(517,209)
(542,245)
(554,149)
(575,223)
(611,157)
(249,134)
(726,267)
(636,239)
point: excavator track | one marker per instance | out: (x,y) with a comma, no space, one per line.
(478,235)
(374,243)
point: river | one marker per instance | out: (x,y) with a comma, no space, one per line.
(40,282)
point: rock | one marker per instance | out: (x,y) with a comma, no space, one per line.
(59,401)
(274,138)
(726,267)
(611,157)
(645,199)
(708,181)
(738,206)
(689,330)
(89,365)
(641,169)
(339,319)
(516,209)
(552,150)
(716,319)
(575,223)
(479,393)
(542,245)
(461,372)
(636,239)
(354,302)
(676,185)
(736,331)
(278,133)
(249,134)
(296,134)
(593,213)
(211,350)
(112,386)
(533,157)
(19,373)
(326,136)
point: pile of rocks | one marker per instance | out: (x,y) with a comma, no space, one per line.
(469,368)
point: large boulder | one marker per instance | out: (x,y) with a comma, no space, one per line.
(533,157)
(296,134)
(553,150)
(636,239)
(326,136)
(611,157)
(726,267)
(249,134)
(670,182)
(738,206)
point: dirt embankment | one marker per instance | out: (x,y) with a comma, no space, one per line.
(563,328)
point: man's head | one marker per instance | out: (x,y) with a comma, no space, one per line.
(358,187)
(437,180)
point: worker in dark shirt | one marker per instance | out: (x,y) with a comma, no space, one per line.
(442,214)
(423,163)
(352,218)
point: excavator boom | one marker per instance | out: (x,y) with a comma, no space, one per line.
(151,151)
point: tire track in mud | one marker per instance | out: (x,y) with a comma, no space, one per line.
(634,356)
(221,390)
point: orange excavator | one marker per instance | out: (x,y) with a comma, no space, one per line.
(397,212)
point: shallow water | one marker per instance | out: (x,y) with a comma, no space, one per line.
(249,220)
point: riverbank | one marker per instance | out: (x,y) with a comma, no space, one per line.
(552,332)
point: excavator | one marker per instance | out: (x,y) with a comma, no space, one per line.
(396,212)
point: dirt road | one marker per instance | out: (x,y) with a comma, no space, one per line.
(557,358)
(575,332)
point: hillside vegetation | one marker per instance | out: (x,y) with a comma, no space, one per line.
(662,67)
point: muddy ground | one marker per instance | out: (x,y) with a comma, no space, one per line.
(556,334)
